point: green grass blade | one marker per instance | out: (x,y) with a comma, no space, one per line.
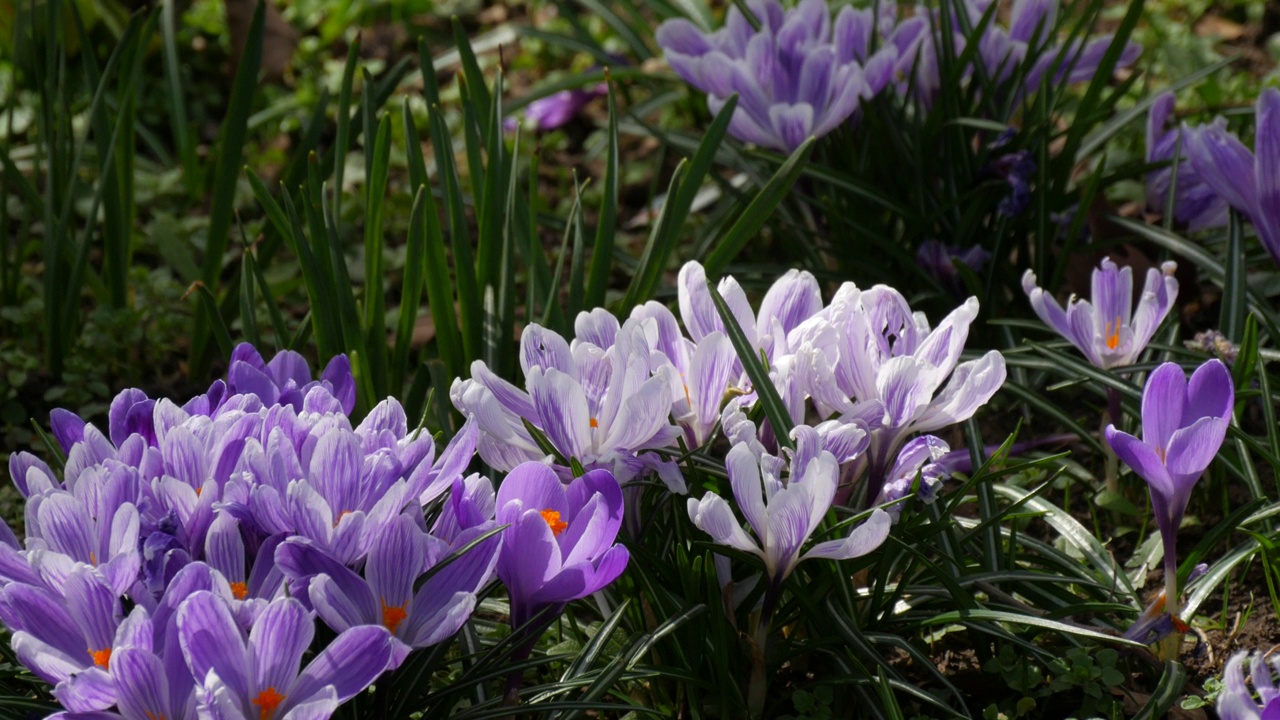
(606,227)
(227,171)
(768,396)
(410,290)
(754,216)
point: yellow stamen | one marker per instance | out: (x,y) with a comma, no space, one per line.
(393,615)
(554,522)
(268,700)
(101,658)
(239,590)
(1113,334)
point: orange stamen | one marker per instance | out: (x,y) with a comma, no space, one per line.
(268,700)
(594,423)
(1113,334)
(101,658)
(393,615)
(554,522)
(152,716)
(199,490)
(341,515)
(239,590)
(686,395)
(93,558)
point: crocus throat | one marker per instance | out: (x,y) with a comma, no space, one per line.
(101,658)
(594,423)
(1160,453)
(393,615)
(239,590)
(341,515)
(554,522)
(267,701)
(1113,334)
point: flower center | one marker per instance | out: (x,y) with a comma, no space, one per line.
(594,423)
(554,522)
(268,700)
(341,515)
(239,590)
(93,558)
(393,615)
(152,716)
(1113,334)
(1160,453)
(101,658)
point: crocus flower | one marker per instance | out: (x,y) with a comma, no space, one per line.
(939,260)
(559,543)
(258,677)
(795,77)
(867,357)
(599,406)
(1195,203)
(1183,425)
(1110,331)
(783,513)
(919,458)
(385,595)
(287,378)
(793,298)
(1249,184)
(1236,702)
(559,108)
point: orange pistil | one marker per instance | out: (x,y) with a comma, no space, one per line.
(93,558)
(554,522)
(686,395)
(594,423)
(268,700)
(101,658)
(1113,334)
(341,515)
(1160,453)
(199,490)
(152,716)
(393,615)
(239,590)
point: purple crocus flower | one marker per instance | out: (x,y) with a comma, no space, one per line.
(559,108)
(939,260)
(1249,184)
(867,357)
(783,512)
(287,378)
(68,641)
(1110,331)
(795,76)
(921,457)
(1195,203)
(258,677)
(1183,425)
(559,543)
(599,406)
(1236,702)
(385,595)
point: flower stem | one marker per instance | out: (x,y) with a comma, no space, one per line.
(757,683)
(1114,416)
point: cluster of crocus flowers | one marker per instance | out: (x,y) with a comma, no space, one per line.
(1109,330)
(178,564)
(797,74)
(1183,426)
(875,373)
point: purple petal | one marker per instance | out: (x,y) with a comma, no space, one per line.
(1143,459)
(1163,400)
(1210,393)
(67,427)
(350,663)
(211,641)
(86,691)
(279,638)
(561,409)
(1191,449)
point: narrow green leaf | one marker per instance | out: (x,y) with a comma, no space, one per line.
(768,396)
(606,227)
(227,171)
(1234,284)
(1166,693)
(210,306)
(759,210)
